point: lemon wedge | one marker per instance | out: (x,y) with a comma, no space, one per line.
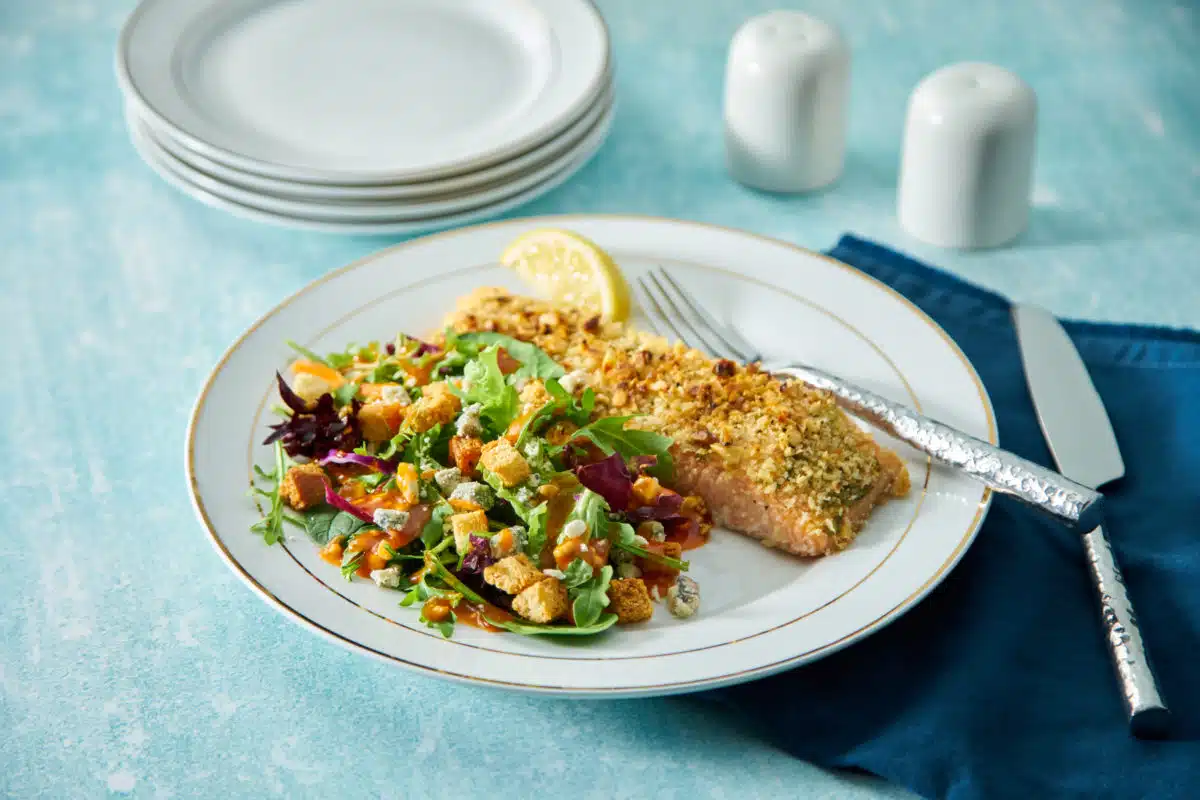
(564,267)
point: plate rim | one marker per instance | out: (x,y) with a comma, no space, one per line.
(532,138)
(983,506)
(381,210)
(570,137)
(469,217)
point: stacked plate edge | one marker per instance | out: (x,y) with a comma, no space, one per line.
(366,116)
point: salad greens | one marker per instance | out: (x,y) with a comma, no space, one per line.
(561,504)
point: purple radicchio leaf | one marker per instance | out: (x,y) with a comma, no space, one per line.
(312,431)
(610,479)
(478,557)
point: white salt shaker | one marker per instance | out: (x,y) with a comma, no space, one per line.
(967,163)
(786,86)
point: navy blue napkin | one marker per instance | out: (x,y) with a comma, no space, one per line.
(999,683)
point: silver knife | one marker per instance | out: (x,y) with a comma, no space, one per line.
(1081,439)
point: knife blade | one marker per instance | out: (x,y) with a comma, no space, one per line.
(1083,444)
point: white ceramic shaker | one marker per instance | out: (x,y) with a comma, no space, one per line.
(967,163)
(786,87)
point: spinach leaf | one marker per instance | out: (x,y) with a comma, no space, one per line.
(610,434)
(317,522)
(347,525)
(591,598)
(535,362)
(603,623)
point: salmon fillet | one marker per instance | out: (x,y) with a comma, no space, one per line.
(773,459)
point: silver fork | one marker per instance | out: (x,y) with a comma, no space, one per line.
(673,311)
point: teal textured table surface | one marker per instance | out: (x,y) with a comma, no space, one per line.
(133,661)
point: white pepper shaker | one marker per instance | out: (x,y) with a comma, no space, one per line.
(967,162)
(786,87)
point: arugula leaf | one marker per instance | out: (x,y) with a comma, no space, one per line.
(535,362)
(610,434)
(309,354)
(339,360)
(579,411)
(343,394)
(350,563)
(419,451)
(448,577)
(317,522)
(560,404)
(484,383)
(591,598)
(422,591)
(270,527)
(535,522)
(435,528)
(592,509)
(445,627)
(603,623)
(578,572)
(523,509)
(385,372)
(637,550)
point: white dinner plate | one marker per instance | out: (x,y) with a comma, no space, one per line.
(362,91)
(325,224)
(761,611)
(378,210)
(455,184)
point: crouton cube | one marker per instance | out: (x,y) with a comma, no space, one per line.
(544,601)
(629,599)
(303,486)
(466,451)
(379,422)
(534,396)
(560,432)
(309,388)
(438,389)
(464,525)
(504,460)
(513,575)
(436,408)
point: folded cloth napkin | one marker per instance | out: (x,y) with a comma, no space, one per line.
(999,684)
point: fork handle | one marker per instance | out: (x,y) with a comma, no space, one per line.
(1007,473)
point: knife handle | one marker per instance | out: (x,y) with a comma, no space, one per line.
(1148,714)
(1006,472)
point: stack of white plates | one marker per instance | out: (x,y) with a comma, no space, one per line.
(366,116)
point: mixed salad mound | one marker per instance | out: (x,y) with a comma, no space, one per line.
(476,477)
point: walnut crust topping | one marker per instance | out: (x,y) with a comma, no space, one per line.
(792,441)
